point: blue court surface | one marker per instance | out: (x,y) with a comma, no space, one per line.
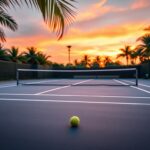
(112,117)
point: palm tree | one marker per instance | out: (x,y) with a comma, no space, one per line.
(42,58)
(86,61)
(3,53)
(140,55)
(79,64)
(76,63)
(126,52)
(134,55)
(107,61)
(31,55)
(13,54)
(56,13)
(145,46)
(97,62)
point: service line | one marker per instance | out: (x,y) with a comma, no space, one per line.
(62,87)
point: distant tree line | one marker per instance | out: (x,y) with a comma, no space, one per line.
(30,56)
(138,55)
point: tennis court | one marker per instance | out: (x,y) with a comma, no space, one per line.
(112,117)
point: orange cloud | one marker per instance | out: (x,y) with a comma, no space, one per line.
(97,10)
(104,41)
(110,31)
(100,41)
(93,11)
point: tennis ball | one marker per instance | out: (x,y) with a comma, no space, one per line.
(74,121)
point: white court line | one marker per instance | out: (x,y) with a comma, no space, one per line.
(16,94)
(82,82)
(140,89)
(137,88)
(60,87)
(80,102)
(6,86)
(52,90)
(120,82)
(86,96)
(98,96)
(139,83)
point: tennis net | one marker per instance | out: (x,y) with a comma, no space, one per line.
(110,77)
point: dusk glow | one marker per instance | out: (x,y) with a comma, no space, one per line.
(101,28)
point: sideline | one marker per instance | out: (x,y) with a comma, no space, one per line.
(139,83)
(134,87)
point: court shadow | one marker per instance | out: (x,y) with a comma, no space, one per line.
(73,130)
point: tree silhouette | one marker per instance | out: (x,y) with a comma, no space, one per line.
(126,52)
(3,53)
(31,55)
(42,58)
(107,61)
(13,54)
(145,46)
(86,61)
(96,63)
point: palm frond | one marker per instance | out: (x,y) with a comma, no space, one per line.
(56,13)
(3,4)
(121,55)
(2,35)
(7,21)
(122,49)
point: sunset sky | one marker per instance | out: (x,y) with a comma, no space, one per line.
(101,28)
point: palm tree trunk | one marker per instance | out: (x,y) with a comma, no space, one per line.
(127,60)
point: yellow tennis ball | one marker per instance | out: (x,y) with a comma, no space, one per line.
(74,121)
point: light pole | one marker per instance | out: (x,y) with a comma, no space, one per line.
(69,50)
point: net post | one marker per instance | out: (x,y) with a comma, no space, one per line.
(136,77)
(17,76)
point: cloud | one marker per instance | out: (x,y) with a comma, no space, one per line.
(103,38)
(93,11)
(100,29)
(97,10)
(109,31)
(140,4)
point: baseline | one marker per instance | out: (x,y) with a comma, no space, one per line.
(86,96)
(81,102)
(6,86)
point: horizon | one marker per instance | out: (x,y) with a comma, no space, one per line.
(103,28)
